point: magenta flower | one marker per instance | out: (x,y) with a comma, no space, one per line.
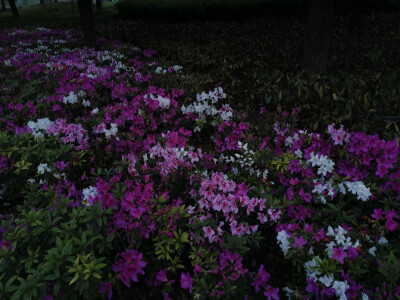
(391,224)
(186,281)
(197,269)
(352,253)
(260,279)
(130,266)
(377,215)
(299,242)
(61,165)
(339,254)
(162,275)
(106,287)
(271,293)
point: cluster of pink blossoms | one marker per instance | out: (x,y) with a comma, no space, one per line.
(222,196)
(70,133)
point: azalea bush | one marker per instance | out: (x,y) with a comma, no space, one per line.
(111,184)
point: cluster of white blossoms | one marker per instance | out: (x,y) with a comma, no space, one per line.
(164,102)
(323,189)
(289,142)
(72,98)
(43,168)
(340,240)
(160,70)
(325,165)
(39,126)
(91,192)
(356,188)
(112,131)
(311,267)
(283,241)
(244,160)
(203,108)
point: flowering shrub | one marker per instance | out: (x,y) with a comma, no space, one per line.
(111,186)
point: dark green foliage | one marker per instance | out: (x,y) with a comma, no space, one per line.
(56,249)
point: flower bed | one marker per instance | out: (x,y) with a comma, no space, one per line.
(111,186)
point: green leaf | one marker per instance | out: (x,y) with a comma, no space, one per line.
(76,277)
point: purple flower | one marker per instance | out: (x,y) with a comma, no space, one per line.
(271,293)
(162,275)
(197,269)
(300,242)
(352,253)
(186,281)
(60,165)
(377,215)
(130,266)
(261,279)
(312,287)
(106,287)
(339,254)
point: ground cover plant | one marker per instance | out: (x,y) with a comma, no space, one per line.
(113,186)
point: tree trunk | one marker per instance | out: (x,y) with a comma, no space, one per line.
(319,24)
(3,5)
(42,2)
(99,5)
(87,22)
(13,7)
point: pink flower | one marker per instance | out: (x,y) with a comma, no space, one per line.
(262,218)
(186,281)
(209,233)
(339,254)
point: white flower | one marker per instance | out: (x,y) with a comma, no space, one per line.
(372,251)
(86,103)
(283,242)
(71,98)
(95,111)
(382,241)
(298,153)
(365,297)
(288,292)
(39,126)
(310,265)
(42,168)
(289,141)
(112,131)
(325,165)
(90,191)
(358,188)
(326,280)
(340,289)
